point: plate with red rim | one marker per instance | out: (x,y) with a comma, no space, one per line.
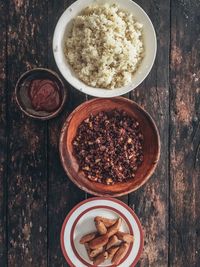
(80,221)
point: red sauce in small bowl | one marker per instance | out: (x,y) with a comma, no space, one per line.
(44,95)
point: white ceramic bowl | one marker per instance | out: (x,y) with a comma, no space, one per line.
(63,28)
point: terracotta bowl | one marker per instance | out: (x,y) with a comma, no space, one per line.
(151,146)
(21,92)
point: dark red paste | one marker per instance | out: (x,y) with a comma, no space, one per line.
(44,95)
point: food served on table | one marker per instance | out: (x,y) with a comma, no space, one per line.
(105,46)
(44,95)
(108,147)
(40,93)
(111,244)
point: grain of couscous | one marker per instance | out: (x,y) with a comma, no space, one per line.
(105,46)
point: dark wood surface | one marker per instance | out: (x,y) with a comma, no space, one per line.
(36,195)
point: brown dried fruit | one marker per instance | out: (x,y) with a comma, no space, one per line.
(111,252)
(107,222)
(121,252)
(113,241)
(125,237)
(96,252)
(112,244)
(101,227)
(100,258)
(98,242)
(86,238)
(115,228)
(88,251)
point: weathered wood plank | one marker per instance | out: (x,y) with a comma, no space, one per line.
(3,139)
(27,181)
(185,134)
(151,201)
(63,194)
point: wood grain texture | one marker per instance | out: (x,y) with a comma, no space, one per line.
(63,195)
(37,191)
(185,134)
(3,138)
(151,201)
(27,184)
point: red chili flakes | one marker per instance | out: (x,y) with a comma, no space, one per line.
(108,147)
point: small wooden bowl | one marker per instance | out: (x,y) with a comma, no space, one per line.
(151,146)
(21,92)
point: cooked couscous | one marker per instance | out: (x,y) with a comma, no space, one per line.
(105,46)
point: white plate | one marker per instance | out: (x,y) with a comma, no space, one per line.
(80,221)
(63,27)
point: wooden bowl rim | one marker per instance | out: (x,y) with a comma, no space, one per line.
(93,192)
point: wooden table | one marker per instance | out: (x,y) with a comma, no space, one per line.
(36,195)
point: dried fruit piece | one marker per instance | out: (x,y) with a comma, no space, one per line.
(111,252)
(101,227)
(121,252)
(88,251)
(107,243)
(98,242)
(96,252)
(112,242)
(107,222)
(87,238)
(115,228)
(100,258)
(125,237)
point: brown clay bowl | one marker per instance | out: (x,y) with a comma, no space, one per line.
(151,146)
(21,92)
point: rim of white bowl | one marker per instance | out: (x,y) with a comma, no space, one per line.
(93,91)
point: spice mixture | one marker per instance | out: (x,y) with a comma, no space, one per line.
(108,147)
